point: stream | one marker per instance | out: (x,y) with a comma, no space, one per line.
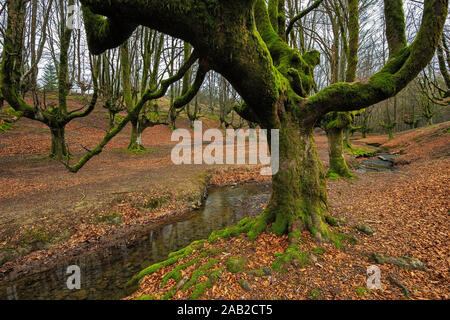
(381,163)
(105,273)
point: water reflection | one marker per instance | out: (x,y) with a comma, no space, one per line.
(105,273)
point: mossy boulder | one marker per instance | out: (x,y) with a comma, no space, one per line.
(236,264)
(365,229)
(245,285)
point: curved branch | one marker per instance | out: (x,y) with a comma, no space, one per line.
(190,94)
(93,102)
(301,15)
(105,33)
(395,26)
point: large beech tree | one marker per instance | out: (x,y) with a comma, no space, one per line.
(245,41)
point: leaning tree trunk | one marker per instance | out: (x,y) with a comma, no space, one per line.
(338,165)
(59,149)
(299,197)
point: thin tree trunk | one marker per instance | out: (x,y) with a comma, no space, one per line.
(338,165)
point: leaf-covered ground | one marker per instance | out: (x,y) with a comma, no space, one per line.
(407,211)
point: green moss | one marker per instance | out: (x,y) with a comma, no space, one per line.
(333,175)
(294,235)
(258,226)
(361,291)
(318,251)
(331,221)
(315,294)
(197,274)
(173,258)
(243,226)
(169,294)
(175,274)
(257,272)
(292,256)
(199,289)
(236,264)
(36,235)
(210,253)
(5,126)
(342,237)
(360,152)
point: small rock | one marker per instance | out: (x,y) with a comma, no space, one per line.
(257,273)
(386,157)
(365,229)
(267,271)
(182,282)
(245,285)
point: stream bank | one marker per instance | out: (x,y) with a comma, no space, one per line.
(105,272)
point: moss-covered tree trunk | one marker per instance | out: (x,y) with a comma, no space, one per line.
(58,149)
(338,165)
(299,197)
(391,133)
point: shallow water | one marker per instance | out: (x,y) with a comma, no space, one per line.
(105,273)
(382,162)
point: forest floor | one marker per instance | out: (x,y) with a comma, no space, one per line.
(47,212)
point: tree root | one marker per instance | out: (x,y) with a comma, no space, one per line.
(252,227)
